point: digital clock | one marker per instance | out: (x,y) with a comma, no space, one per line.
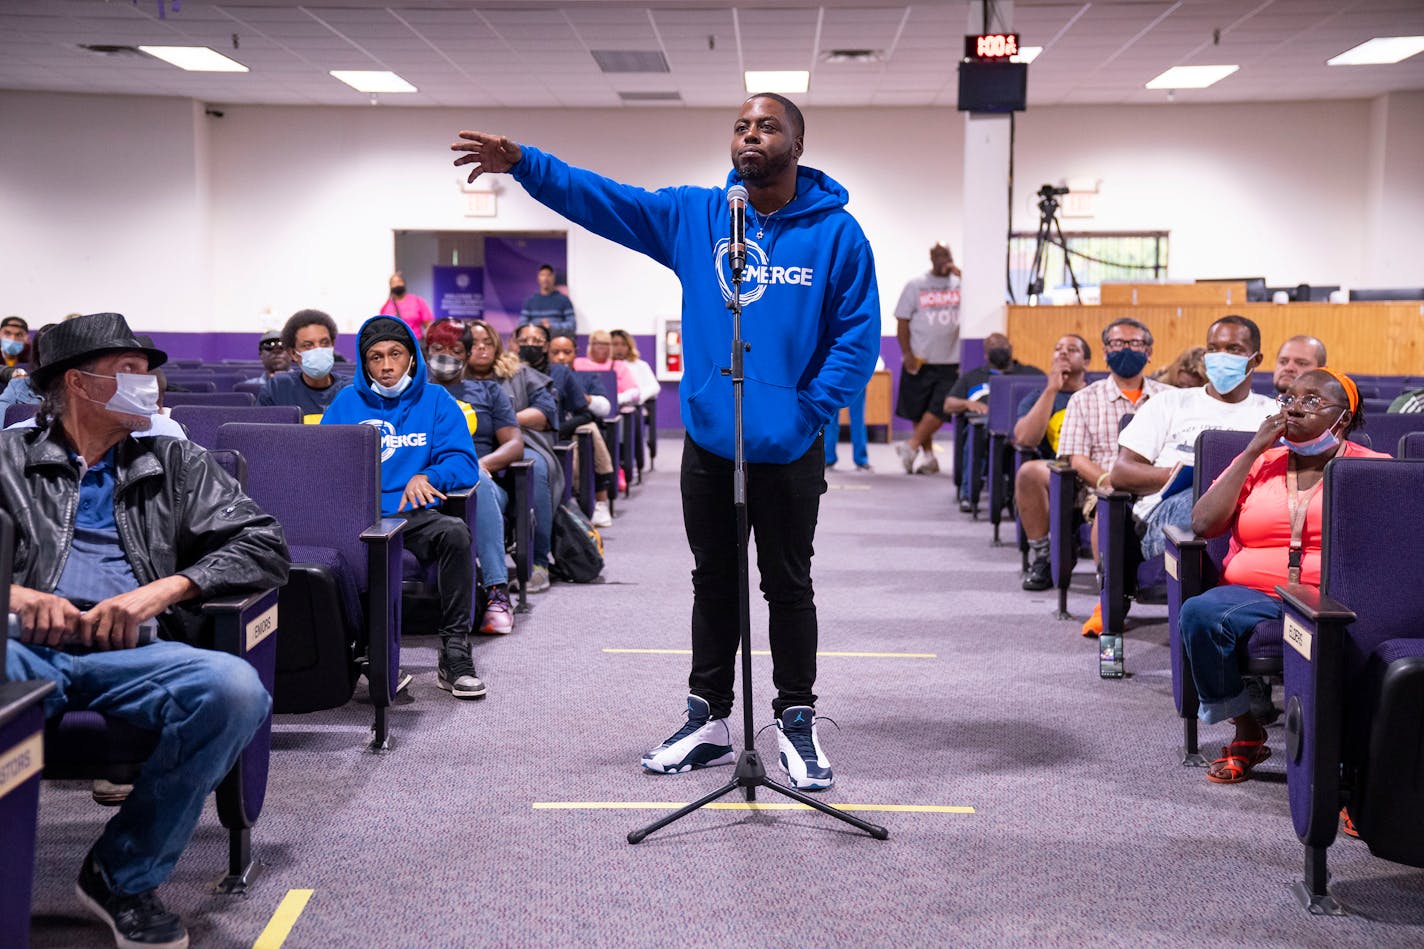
(991,46)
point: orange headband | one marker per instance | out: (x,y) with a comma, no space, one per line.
(1352,391)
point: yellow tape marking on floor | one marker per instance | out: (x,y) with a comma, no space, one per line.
(745,806)
(282,921)
(766,652)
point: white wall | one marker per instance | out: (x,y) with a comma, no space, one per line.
(188,222)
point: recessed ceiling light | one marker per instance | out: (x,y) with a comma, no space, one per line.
(1380,50)
(195,58)
(1026,54)
(1191,77)
(783,80)
(373,80)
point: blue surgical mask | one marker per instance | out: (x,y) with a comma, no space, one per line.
(12,347)
(1226,371)
(392,392)
(317,362)
(135,393)
(1127,363)
(1327,441)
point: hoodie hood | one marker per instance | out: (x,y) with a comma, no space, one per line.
(361,382)
(816,192)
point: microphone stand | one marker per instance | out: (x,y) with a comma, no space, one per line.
(750,773)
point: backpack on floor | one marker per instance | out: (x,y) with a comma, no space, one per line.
(576,547)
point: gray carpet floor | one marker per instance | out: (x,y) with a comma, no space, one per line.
(1085,830)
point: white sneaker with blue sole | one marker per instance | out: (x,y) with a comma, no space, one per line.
(703,742)
(800,750)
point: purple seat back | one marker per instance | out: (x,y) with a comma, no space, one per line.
(1005,392)
(1411,446)
(198,385)
(318,505)
(209,398)
(248,385)
(19,412)
(1215,450)
(202,421)
(1385,431)
(226,380)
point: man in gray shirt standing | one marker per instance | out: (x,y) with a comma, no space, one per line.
(927,327)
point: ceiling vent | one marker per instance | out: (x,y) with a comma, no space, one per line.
(105,49)
(852,56)
(650,96)
(630,60)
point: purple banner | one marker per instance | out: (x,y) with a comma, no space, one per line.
(511,274)
(459,293)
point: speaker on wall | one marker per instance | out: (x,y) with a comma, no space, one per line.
(992,86)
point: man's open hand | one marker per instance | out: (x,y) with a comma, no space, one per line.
(419,492)
(491,154)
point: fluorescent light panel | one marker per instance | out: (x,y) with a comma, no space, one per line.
(195,58)
(1380,51)
(1191,77)
(1026,54)
(784,80)
(373,80)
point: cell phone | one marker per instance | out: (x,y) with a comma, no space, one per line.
(147,631)
(1110,656)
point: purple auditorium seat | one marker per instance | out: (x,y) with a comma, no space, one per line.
(20,411)
(341,605)
(202,421)
(1354,672)
(249,386)
(1067,531)
(1004,397)
(620,424)
(606,385)
(518,482)
(87,745)
(173,399)
(1194,565)
(21,756)
(1411,445)
(191,386)
(1386,431)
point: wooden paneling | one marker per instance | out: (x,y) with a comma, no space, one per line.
(878,407)
(1370,338)
(1172,294)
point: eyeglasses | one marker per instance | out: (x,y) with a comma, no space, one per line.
(1307,403)
(268,345)
(1116,345)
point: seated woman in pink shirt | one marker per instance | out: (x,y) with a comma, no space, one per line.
(414,310)
(1269,498)
(600,359)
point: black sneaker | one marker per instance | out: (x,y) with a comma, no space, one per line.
(456,673)
(1040,574)
(1258,691)
(138,922)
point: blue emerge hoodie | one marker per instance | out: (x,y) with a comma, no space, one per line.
(423,431)
(810,308)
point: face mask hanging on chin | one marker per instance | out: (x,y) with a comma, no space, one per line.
(134,393)
(1327,441)
(391,392)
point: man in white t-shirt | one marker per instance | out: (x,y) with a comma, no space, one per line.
(1161,437)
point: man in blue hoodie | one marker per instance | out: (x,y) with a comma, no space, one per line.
(812,319)
(425,452)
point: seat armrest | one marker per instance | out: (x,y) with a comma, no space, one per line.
(1314,605)
(1183,539)
(387,528)
(236,603)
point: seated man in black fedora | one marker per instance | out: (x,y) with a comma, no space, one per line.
(116,537)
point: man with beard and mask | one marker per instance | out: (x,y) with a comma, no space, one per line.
(813,328)
(403,304)
(971,394)
(426,452)
(1161,437)
(118,536)
(310,337)
(927,327)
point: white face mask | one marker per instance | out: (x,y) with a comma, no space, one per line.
(391,392)
(135,393)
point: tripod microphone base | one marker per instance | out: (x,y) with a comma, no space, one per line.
(752,775)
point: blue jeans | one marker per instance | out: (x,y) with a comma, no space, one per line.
(1214,626)
(857,432)
(1177,511)
(205,705)
(543,508)
(490,502)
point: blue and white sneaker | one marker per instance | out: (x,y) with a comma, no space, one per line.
(801,756)
(704,742)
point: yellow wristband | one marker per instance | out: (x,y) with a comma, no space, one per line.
(1101,478)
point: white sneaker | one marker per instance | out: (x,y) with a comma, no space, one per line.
(907,456)
(601,517)
(538,579)
(703,742)
(800,750)
(925,463)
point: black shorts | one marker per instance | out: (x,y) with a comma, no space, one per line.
(925,391)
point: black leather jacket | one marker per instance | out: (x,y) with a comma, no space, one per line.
(177,510)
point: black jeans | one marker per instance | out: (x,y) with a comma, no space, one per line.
(432,536)
(782,504)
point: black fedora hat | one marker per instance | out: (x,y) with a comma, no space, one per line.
(78,340)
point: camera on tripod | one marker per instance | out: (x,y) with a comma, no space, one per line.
(1048,191)
(1050,234)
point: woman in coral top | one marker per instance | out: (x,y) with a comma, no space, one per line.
(1270,500)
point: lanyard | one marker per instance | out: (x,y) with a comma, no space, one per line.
(1298,509)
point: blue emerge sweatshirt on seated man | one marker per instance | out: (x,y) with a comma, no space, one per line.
(810,308)
(423,431)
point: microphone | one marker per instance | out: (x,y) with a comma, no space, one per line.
(737,249)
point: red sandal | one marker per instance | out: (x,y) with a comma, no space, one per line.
(1236,761)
